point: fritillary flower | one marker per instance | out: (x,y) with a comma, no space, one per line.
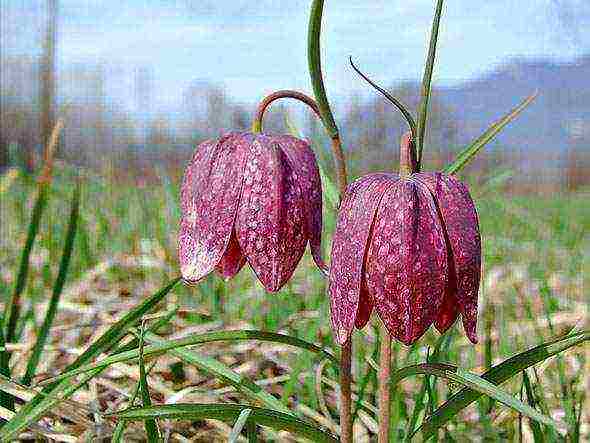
(408,246)
(252,198)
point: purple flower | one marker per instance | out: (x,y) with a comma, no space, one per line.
(252,198)
(408,246)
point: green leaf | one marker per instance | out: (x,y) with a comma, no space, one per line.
(12,308)
(168,345)
(228,413)
(497,375)
(151,428)
(239,425)
(537,433)
(44,401)
(470,151)
(473,382)
(57,288)
(426,83)
(217,369)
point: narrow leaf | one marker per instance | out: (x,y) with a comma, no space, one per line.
(239,425)
(167,345)
(57,289)
(473,382)
(470,151)
(228,413)
(151,428)
(426,83)
(497,375)
(43,402)
(530,396)
(217,369)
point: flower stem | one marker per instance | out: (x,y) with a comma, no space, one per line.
(286,93)
(384,386)
(317,81)
(407,158)
(345,393)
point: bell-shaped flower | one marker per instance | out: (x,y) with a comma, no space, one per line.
(409,246)
(252,198)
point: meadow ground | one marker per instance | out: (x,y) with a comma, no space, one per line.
(534,288)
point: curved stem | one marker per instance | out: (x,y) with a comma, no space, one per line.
(384,386)
(407,155)
(286,93)
(398,104)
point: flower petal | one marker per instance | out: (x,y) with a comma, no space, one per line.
(270,224)
(306,172)
(232,261)
(365,308)
(210,195)
(462,228)
(355,219)
(406,267)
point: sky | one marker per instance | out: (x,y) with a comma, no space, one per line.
(254,47)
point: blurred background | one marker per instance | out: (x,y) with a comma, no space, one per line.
(146,80)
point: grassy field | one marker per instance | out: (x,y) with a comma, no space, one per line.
(534,288)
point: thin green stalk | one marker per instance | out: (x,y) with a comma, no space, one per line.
(426,84)
(57,289)
(151,428)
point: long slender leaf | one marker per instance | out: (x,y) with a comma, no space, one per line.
(217,369)
(57,289)
(497,375)
(427,82)
(239,425)
(228,413)
(40,404)
(196,339)
(537,433)
(470,151)
(476,383)
(151,428)
(12,309)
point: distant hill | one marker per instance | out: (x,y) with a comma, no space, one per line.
(558,117)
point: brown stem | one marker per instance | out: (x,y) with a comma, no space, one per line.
(407,158)
(339,161)
(345,392)
(286,93)
(384,386)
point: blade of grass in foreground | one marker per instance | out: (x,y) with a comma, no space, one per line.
(470,151)
(40,404)
(57,289)
(217,369)
(426,84)
(228,413)
(151,428)
(160,346)
(239,425)
(473,382)
(497,375)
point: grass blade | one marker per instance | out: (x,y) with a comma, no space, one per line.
(228,413)
(473,382)
(497,375)
(426,83)
(530,396)
(151,428)
(57,289)
(40,404)
(221,371)
(160,346)
(239,425)
(470,151)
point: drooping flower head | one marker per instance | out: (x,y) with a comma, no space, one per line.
(407,245)
(252,198)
